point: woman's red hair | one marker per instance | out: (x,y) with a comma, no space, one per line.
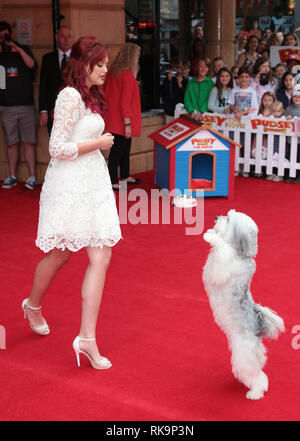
(87,51)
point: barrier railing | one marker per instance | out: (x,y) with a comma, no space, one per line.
(262,131)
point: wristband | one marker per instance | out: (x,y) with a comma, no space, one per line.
(127,124)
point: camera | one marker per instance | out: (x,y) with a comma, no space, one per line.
(264,79)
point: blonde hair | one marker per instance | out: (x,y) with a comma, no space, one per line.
(278,105)
(125,59)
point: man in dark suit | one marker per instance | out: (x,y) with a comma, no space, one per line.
(50,77)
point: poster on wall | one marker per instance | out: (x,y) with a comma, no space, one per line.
(265,23)
(280,54)
(24,31)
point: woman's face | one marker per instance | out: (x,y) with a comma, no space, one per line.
(262,45)
(243,40)
(290,40)
(253,43)
(97,76)
(224,78)
(264,67)
(267,33)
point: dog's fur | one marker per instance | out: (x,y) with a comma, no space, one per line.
(227,276)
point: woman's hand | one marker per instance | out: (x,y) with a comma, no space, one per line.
(127,131)
(106,141)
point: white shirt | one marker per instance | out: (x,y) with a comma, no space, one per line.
(244,99)
(61,55)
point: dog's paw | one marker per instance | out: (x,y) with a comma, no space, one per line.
(254,394)
(209,236)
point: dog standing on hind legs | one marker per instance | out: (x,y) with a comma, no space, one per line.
(227,277)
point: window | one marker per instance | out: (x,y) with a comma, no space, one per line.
(157,26)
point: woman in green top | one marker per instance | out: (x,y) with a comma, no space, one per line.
(198,90)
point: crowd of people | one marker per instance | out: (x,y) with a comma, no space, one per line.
(200,84)
(250,87)
(17,107)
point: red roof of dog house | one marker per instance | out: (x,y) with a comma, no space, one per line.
(181,128)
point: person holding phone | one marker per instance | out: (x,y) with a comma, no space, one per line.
(173,89)
(262,80)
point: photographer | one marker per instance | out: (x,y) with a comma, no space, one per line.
(17,105)
(262,80)
(173,89)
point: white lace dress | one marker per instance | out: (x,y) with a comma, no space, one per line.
(77,203)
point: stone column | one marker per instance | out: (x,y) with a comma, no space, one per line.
(219,29)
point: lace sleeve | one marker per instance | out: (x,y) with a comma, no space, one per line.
(66,116)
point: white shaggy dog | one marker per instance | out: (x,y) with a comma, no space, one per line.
(227,276)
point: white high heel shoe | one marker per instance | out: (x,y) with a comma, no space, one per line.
(102,363)
(40,329)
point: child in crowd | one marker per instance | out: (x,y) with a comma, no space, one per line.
(217,63)
(243,100)
(278,113)
(234,71)
(280,70)
(285,89)
(173,89)
(198,90)
(218,98)
(186,69)
(265,110)
(262,81)
(290,112)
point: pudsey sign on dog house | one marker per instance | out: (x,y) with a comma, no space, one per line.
(190,156)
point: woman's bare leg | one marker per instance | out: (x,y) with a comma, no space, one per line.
(92,288)
(45,272)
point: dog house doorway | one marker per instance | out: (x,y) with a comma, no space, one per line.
(202,171)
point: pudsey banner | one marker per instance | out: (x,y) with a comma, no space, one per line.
(257,124)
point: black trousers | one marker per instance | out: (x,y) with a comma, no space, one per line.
(119,157)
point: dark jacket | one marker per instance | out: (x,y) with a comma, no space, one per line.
(281,96)
(172,94)
(50,81)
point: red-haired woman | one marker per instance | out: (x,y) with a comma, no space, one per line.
(123,117)
(77,204)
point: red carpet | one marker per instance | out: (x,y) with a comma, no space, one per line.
(170,360)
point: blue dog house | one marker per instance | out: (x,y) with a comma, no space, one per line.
(189,156)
